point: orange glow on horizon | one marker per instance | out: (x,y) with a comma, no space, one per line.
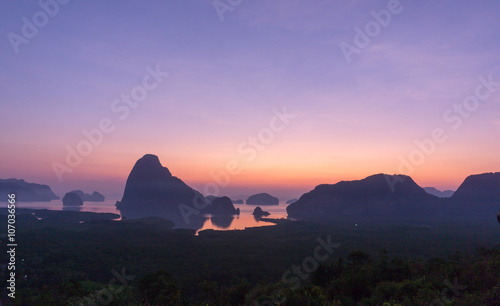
(427,175)
(267,172)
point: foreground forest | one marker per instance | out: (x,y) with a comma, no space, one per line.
(145,262)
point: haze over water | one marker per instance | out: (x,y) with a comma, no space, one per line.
(244,220)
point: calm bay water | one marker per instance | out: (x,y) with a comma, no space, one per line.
(244,220)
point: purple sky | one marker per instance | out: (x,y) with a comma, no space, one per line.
(353,116)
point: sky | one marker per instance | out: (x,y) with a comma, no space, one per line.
(240,97)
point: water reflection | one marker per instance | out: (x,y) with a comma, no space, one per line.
(72,208)
(189,221)
(223,222)
(196,222)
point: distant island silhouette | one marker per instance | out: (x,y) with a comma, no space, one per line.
(77,197)
(94,197)
(258,212)
(222,206)
(439,193)
(383,196)
(478,195)
(210,198)
(72,199)
(26,192)
(262,199)
(151,190)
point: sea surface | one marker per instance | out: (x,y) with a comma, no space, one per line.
(244,220)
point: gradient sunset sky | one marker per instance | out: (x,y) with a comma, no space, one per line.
(420,74)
